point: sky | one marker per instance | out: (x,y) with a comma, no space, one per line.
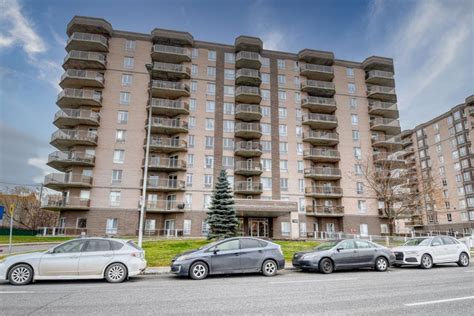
(431,42)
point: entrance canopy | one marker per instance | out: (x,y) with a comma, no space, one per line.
(264,208)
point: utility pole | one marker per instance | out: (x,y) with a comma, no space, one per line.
(149,68)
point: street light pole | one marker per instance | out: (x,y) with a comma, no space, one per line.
(149,68)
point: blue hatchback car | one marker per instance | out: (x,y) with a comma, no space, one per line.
(232,255)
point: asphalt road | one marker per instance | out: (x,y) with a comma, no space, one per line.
(439,291)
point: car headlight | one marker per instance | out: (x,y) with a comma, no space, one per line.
(182,258)
(310,256)
(413,252)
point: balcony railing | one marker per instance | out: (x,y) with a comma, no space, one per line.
(379,77)
(321,154)
(323,172)
(316,120)
(71,157)
(58,180)
(323,210)
(76,114)
(167,144)
(81,59)
(245,76)
(165,184)
(248,149)
(383,93)
(77,97)
(251,130)
(247,167)
(88,37)
(324,191)
(171,107)
(324,88)
(179,71)
(313,71)
(321,137)
(55,203)
(163,206)
(166,163)
(248,94)
(74,135)
(250,112)
(169,123)
(319,104)
(245,59)
(386,125)
(387,141)
(173,53)
(162,88)
(78,77)
(248,187)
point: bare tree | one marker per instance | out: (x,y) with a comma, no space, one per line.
(28,212)
(395,185)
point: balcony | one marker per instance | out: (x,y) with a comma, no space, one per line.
(169,107)
(165,185)
(248,77)
(248,168)
(317,72)
(73,117)
(246,94)
(164,206)
(165,164)
(320,121)
(321,155)
(325,211)
(248,112)
(61,181)
(389,161)
(321,138)
(84,60)
(59,203)
(65,138)
(168,71)
(385,109)
(414,222)
(248,149)
(87,42)
(62,160)
(164,125)
(319,104)
(324,191)
(74,98)
(379,77)
(382,93)
(323,173)
(248,130)
(244,59)
(171,54)
(385,125)
(321,88)
(248,187)
(169,89)
(167,145)
(76,78)
(388,142)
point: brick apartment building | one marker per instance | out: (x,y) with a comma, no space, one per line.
(291,129)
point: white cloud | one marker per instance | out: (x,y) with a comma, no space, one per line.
(273,40)
(17,30)
(40,163)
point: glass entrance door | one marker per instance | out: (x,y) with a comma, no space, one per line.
(258,227)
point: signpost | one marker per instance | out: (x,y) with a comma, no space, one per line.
(12,211)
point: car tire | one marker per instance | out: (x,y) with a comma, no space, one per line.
(21,274)
(198,271)
(269,268)
(381,264)
(463,260)
(326,266)
(426,261)
(116,273)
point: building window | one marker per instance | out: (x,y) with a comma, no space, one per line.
(351,88)
(384,228)
(205,228)
(194,53)
(211,89)
(190,160)
(266,164)
(128,62)
(209,162)
(300,166)
(265,78)
(209,124)
(117,176)
(265,94)
(364,230)
(297,98)
(127,80)
(209,142)
(111,226)
(210,106)
(353,103)
(187,227)
(282,113)
(449,217)
(266,128)
(122,117)
(266,183)
(301,205)
(360,187)
(358,169)
(229,108)
(283,130)
(266,146)
(229,74)
(357,153)
(114,198)
(350,72)
(281,80)
(211,72)
(299,148)
(355,135)
(265,61)
(229,91)
(281,63)
(285,228)
(194,69)
(194,86)
(229,58)
(354,119)
(119,156)
(228,126)
(228,143)
(125,98)
(282,95)
(191,141)
(120,135)
(265,110)
(192,105)
(191,122)
(188,200)
(228,162)
(189,180)
(208,180)
(207,200)
(284,165)
(130,45)
(283,148)
(361,206)
(284,184)
(211,55)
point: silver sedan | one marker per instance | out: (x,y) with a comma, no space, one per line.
(85,258)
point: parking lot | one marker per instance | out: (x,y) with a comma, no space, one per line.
(441,290)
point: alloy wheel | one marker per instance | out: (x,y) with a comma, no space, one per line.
(464,260)
(20,275)
(199,271)
(269,268)
(426,262)
(381,264)
(116,273)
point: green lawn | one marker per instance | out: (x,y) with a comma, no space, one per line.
(29,239)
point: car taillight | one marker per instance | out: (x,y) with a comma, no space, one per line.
(137,255)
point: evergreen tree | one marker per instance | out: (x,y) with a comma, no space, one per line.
(221,217)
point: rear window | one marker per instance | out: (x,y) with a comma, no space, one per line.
(246,243)
(116,245)
(97,245)
(131,243)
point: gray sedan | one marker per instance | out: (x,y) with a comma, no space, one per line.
(343,255)
(232,255)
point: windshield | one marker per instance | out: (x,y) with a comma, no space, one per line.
(418,242)
(208,245)
(326,245)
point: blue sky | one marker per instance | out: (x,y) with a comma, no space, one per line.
(431,41)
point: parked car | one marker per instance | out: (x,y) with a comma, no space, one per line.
(232,255)
(427,251)
(85,258)
(343,255)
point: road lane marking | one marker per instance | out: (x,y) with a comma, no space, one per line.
(306,281)
(441,301)
(472,271)
(16,292)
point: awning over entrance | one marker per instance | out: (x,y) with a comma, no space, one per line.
(264,208)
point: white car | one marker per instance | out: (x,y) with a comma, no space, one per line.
(427,251)
(85,258)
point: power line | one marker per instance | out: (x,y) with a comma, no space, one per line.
(21,184)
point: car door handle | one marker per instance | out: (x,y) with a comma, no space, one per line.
(236,254)
(260,251)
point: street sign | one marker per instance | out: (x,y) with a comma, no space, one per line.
(2,209)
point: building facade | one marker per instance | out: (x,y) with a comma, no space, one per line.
(440,151)
(293,131)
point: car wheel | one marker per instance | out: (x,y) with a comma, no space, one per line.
(198,271)
(381,264)
(463,260)
(21,274)
(116,273)
(269,268)
(426,262)
(326,266)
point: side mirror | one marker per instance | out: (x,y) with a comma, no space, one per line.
(216,251)
(339,249)
(435,244)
